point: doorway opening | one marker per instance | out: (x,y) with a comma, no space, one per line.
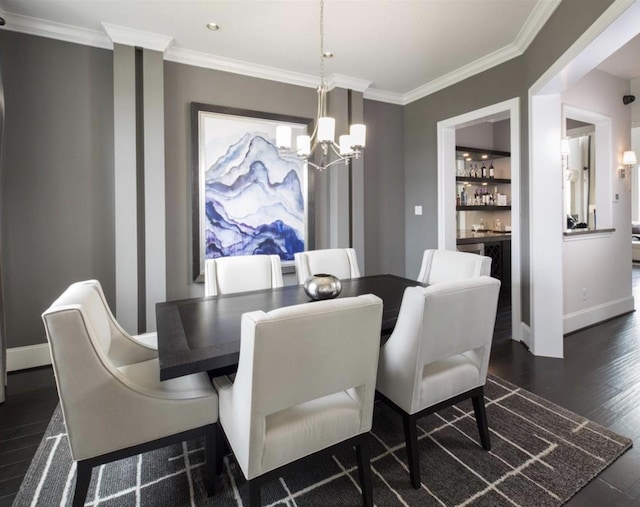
(454,218)
(610,32)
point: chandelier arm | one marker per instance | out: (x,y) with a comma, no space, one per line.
(334,162)
(315,166)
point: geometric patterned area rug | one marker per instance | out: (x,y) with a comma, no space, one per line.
(541,455)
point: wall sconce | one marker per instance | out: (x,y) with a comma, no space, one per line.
(628,160)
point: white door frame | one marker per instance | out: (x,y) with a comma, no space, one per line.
(617,25)
(447,191)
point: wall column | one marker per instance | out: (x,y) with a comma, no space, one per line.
(125,183)
(356,115)
(339,212)
(154,193)
(139,175)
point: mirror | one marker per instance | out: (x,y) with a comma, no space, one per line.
(579,175)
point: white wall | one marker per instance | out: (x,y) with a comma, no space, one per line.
(601,264)
(635,177)
(635,106)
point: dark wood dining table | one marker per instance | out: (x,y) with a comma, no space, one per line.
(203,334)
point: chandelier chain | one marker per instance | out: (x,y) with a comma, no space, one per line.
(322,42)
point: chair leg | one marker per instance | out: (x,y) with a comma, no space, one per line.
(364,471)
(255,499)
(83,479)
(481,420)
(413,454)
(210,457)
(221,447)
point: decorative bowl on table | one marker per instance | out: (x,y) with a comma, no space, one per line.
(322,286)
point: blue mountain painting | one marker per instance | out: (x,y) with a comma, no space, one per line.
(254,202)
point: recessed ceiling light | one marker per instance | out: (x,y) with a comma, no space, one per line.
(213,26)
(484,157)
(465,154)
(327,54)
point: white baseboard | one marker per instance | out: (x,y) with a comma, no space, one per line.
(525,334)
(590,316)
(31,356)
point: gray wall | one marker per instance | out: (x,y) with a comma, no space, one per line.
(503,82)
(384,189)
(57,195)
(487,135)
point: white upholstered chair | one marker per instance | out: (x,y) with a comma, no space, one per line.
(446,265)
(113,402)
(304,388)
(226,275)
(149,340)
(339,262)
(438,354)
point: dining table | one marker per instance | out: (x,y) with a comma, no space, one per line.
(203,334)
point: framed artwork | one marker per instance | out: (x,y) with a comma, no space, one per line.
(247,198)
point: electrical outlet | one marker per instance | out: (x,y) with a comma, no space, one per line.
(418,210)
(584,294)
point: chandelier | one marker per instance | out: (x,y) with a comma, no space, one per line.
(348,147)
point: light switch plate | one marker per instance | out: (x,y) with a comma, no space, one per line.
(418,210)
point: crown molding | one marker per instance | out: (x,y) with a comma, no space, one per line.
(137,38)
(208,61)
(348,82)
(58,31)
(536,20)
(485,63)
(384,96)
(123,35)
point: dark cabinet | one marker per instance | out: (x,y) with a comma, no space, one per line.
(500,253)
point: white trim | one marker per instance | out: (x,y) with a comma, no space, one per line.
(579,55)
(546,225)
(205,60)
(588,316)
(384,96)
(525,334)
(30,356)
(447,190)
(347,82)
(536,20)
(591,235)
(476,67)
(59,31)
(137,38)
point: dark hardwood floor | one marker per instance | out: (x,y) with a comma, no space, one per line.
(598,378)
(24,416)
(502,329)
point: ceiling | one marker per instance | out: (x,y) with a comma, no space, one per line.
(625,62)
(393,50)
